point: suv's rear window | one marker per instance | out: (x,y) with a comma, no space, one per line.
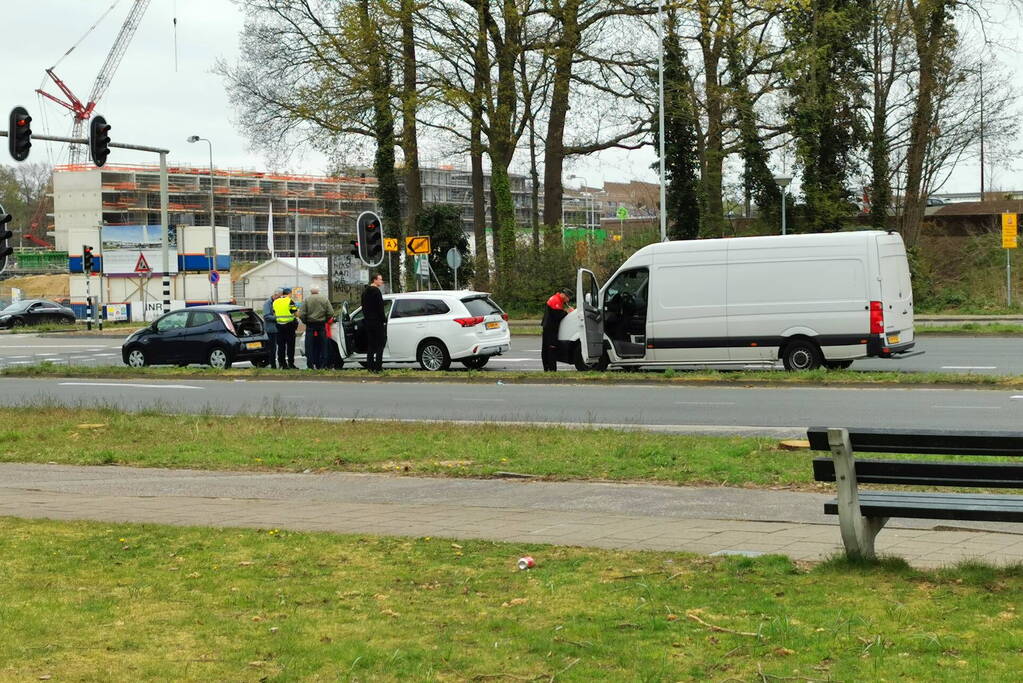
(246,323)
(481,305)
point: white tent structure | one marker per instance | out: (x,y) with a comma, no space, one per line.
(261,281)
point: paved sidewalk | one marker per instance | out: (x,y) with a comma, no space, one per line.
(623,516)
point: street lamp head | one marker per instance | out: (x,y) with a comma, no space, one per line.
(783,181)
(192,138)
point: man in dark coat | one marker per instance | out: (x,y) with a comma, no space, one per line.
(554,313)
(375,323)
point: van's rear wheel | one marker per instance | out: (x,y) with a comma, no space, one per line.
(800,354)
(837,364)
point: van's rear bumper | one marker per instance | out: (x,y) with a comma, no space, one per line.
(877,348)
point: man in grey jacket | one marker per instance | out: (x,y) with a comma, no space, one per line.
(270,325)
(315,312)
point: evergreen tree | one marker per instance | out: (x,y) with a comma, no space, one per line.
(827,95)
(682,159)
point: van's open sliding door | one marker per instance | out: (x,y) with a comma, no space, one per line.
(587,295)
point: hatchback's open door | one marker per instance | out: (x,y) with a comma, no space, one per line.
(587,296)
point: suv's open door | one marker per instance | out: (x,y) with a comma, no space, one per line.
(587,297)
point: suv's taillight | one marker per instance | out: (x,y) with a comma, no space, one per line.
(876,318)
(505,316)
(469,322)
(228,323)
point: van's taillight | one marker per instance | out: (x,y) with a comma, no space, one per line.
(876,318)
(469,322)
(228,323)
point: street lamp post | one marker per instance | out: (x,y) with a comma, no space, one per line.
(214,294)
(783,182)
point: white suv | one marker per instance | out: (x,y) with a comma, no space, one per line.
(431,328)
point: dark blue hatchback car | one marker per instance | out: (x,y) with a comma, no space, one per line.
(216,335)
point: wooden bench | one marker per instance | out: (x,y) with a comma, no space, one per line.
(862,514)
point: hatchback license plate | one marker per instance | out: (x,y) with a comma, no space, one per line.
(893,339)
(254,345)
(493,325)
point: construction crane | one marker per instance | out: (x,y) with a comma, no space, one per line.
(83,111)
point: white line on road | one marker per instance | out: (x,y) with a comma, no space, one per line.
(474,400)
(134,386)
(969,367)
(702,403)
(514,360)
(969,407)
(104,354)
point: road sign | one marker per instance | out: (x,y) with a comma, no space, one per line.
(390,244)
(214,277)
(420,244)
(454,258)
(623,213)
(1009,231)
(142,265)
(423,265)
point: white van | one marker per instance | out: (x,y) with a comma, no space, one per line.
(809,300)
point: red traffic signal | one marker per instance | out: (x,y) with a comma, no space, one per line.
(99,140)
(5,235)
(87,259)
(19,133)
(371,239)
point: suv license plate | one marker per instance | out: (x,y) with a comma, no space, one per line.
(893,339)
(493,325)
(254,345)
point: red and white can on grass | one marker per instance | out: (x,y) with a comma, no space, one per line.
(526,562)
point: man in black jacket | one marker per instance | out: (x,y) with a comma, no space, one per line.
(374,322)
(555,311)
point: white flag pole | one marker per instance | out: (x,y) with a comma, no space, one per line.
(270,230)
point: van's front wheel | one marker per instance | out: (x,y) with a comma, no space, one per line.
(800,354)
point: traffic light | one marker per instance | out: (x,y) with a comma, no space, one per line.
(354,249)
(19,133)
(5,236)
(99,140)
(87,259)
(371,239)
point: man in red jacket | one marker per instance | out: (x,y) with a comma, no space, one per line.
(555,311)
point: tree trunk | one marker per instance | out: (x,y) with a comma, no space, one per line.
(554,149)
(481,65)
(929,23)
(714,149)
(409,109)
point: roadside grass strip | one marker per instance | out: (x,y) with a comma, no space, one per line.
(681,377)
(279,443)
(91,601)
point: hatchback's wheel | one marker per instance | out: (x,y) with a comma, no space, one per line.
(17,322)
(137,358)
(837,364)
(218,359)
(476,362)
(433,356)
(801,354)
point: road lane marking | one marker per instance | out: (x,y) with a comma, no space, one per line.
(968,407)
(969,367)
(120,384)
(474,400)
(703,403)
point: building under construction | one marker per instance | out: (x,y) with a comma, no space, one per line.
(311,209)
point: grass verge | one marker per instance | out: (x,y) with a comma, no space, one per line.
(87,601)
(821,377)
(110,437)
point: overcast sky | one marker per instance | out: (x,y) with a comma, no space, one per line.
(150,102)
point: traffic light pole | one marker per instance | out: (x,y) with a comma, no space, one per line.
(165,241)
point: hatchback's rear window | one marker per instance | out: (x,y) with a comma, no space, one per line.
(246,323)
(481,305)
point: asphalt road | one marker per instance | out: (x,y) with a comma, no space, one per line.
(986,355)
(739,410)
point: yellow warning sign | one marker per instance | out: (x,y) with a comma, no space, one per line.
(420,244)
(1009,231)
(390,244)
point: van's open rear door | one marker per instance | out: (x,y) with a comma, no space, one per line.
(587,296)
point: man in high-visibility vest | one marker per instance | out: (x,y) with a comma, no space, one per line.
(284,314)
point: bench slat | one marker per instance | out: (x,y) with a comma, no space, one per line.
(939,442)
(979,474)
(949,506)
